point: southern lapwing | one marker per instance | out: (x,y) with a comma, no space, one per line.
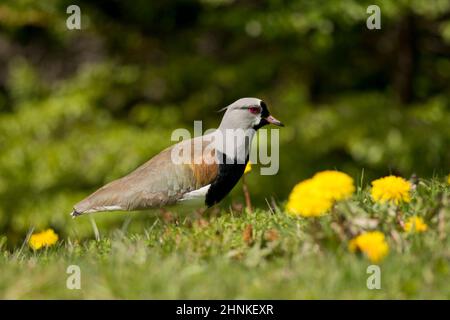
(201,170)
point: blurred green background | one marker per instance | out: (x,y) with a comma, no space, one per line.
(79,108)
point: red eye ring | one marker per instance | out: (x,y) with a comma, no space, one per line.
(254,110)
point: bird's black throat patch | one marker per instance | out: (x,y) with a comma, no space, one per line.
(264,111)
(229,174)
(264,114)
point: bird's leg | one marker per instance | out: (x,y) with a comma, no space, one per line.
(248,201)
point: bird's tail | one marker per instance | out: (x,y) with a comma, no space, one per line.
(76,213)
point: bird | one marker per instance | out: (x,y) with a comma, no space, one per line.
(195,172)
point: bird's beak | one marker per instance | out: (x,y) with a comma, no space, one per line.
(274,121)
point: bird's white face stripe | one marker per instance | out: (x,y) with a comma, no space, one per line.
(257,120)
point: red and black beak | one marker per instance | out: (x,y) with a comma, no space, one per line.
(272,120)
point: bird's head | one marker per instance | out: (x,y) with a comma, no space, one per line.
(248,113)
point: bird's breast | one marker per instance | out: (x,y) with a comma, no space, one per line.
(229,173)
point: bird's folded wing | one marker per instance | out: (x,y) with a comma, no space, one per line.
(158,182)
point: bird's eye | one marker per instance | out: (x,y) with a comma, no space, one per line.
(254,110)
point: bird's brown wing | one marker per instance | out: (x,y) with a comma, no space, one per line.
(156,183)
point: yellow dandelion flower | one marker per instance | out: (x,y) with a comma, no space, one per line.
(448,179)
(391,189)
(415,224)
(45,238)
(336,185)
(314,197)
(372,244)
(307,200)
(248,167)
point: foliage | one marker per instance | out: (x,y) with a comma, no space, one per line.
(236,255)
(80,108)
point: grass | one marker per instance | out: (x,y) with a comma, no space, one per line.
(236,255)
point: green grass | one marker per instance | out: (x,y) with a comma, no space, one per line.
(232,255)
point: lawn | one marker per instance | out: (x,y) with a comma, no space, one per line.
(233,254)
